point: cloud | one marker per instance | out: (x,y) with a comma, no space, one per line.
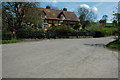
(54,2)
(98,4)
(72,9)
(85,6)
(94,9)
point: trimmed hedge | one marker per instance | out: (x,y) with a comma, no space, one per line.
(98,34)
(7,35)
(25,34)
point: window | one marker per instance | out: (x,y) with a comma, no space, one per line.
(55,22)
(49,21)
(45,26)
(62,17)
(43,16)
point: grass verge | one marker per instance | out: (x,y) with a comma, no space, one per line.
(9,41)
(17,40)
(115,44)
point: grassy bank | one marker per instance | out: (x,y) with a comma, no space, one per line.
(19,40)
(115,44)
(9,41)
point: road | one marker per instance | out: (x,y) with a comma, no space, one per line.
(60,58)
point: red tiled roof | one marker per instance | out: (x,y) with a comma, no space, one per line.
(54,14)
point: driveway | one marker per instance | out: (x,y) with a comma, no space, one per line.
(60,58)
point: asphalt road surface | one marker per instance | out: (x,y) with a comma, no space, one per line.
(60,58)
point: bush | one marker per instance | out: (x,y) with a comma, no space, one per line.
(98,34)
(62,31)
(84,32)
(108,30)
(6,35)
(39,34)
(22,33)
(30,33)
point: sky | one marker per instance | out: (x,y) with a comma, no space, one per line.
(100,8)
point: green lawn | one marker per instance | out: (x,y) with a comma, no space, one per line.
(108,29)
(109,24)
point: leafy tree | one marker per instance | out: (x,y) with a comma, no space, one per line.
(102,23)
(116,21)
(32,16)
(53,7)
(104,18)
(14,13)
(74,25)
(7,19)
(86,16)
(77,26)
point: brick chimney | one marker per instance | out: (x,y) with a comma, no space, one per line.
(64,9)
(48,7)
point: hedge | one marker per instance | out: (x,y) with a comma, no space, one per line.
(22,34)
(6,35)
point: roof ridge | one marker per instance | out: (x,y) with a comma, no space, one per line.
(54,13)
(57,10)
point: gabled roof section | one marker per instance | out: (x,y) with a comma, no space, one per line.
(51,13)
(71,16)
(54,14)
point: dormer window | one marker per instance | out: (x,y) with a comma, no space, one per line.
(62,17)
(43,16)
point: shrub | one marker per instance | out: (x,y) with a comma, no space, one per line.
(84,32)
(30,33)
(22,33)
(98,34)
(62,31)
(108,30)
(39,34)
(6,35)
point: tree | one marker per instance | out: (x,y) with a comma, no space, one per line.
(7,19)
(116,19)
(77,26)
(102,23)
(15,12)
(53,7)
(86,16)
(118,24)
(103,20)
(114,22)
(32,16)
(74,25)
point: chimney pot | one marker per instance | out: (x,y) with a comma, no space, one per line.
(48,7)
(64,9)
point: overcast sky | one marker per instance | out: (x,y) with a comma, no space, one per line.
(100,8)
